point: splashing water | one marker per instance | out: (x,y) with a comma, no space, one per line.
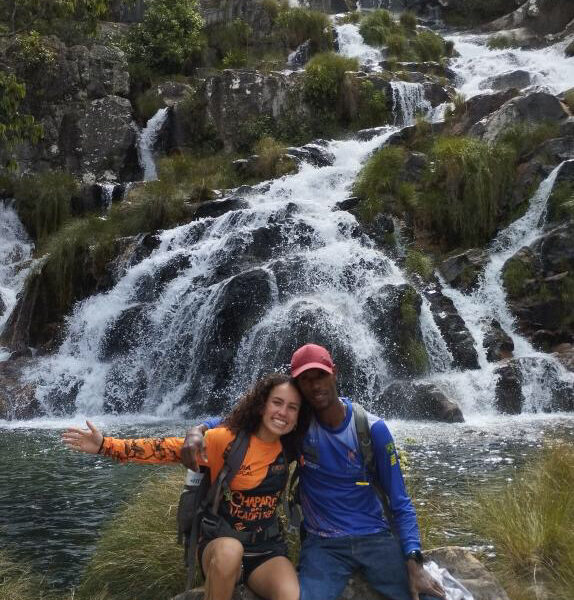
(146,142)
(408,101)
(352,45)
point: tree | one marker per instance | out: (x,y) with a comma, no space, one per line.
(14,126)
(169,35)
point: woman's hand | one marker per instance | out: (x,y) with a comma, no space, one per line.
(83,440)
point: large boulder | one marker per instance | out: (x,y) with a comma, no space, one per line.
(536,107)
(480,106)
(541,16)
(517,79)
(456,335)
(406,400)
(462,271)
(497,343)
(79,96)
(17,396)
(508,393)
(393,313)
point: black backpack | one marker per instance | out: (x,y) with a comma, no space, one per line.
(200,498)
(293,507)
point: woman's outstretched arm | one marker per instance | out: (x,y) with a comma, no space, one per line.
(83,440)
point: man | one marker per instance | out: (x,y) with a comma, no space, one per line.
(342,514)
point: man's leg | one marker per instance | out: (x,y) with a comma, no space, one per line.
(383,565)
(325,566)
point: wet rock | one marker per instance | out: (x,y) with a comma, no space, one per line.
(428,68)
(125,333)
(508,394)
(536,107)
(452,327)
(364,135)
(497,342)
(480,106)
(541,16)
(435,93)
(512,80)
(348,204)
(565,354)
(405,400)
(301,55)
(2,305)
(393,313)
(125,389)
(462,271)
(17,397)
(415,166)
(567,127)
(216,208)
(314,154)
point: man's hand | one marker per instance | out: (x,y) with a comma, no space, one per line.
(194,447)
(420,582)
(83,440)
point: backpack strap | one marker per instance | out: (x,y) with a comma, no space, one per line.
(370,468)
(232,459)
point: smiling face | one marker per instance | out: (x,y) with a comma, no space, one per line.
(319,388)
(280,412)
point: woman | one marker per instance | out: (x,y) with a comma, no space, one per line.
(273,414)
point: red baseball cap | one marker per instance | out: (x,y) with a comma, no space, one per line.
(311,356)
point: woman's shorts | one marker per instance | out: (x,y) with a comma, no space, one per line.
(254,555)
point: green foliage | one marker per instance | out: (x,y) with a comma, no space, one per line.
(66,18)
(465,177)
(569,99)
(377,26)
(501,42)
(202,134)
(272,161)
(416,357)
(252,130)
(234,59)
(525,137)
(368,106)
(353,16)
(379,183)
(561,202)
(137,550)
(15,127)
(515,275)
(31,51)
(419,263)
(323,86)
(429,46)
(17,582)
(530,521)
(147,104)
(43,201)
(408,20)
(169,36)
(297,25)
(230,41)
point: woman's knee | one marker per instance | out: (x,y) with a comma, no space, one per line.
(288,590)
(225,558)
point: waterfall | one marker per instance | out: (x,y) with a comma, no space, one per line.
(352,45)
(408,101)
(15,259)
(146,142)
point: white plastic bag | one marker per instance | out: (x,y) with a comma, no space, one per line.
(453,588)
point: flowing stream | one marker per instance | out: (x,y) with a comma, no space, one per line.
(170,338)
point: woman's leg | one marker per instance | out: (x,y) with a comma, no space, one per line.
(221,563)
(275,579)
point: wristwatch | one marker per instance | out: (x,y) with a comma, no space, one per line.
(415,555)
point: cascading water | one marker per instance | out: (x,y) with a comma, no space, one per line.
(408,101)
(15,260)
(146,142)
(352,45)
(550,69)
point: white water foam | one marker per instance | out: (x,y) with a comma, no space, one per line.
(352,45)
(408,102)
(549,67)
(146,143)
(15,261)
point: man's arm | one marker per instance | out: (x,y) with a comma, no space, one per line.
(402,509)
(194,445)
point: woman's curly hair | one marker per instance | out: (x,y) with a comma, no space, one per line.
(247,413)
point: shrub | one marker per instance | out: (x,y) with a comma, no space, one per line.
(368,106)
(15,127)
(169,35)
(561,202)
(429,46)
(43,201)
(252,130)
(32,52)
(419,263)
(398,46)
(501,42)
(408,20)
(198,174)
(137,550)
(466,177)
(379,181)
(297,25)
(376,27)
(323,83)
(272,161)
(530,521)
(230,40)
(525,137)
(515,275)
(234,59)
(354,16)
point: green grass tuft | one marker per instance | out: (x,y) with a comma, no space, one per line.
(271,159)
(137,555)
(408,20)
(526,137)
(501,42)
(531,524)
(297,25)
(569,99)
(419,263)
(515,275)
